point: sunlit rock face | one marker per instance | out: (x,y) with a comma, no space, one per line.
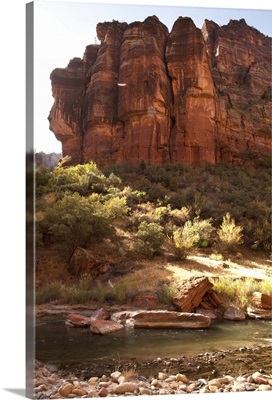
(100,138)
(194,132)
(185,96)
(144,104)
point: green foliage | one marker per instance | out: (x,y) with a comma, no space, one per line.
(170,196)
(166,293)
(115,207)
(196,232)
(150,238)
(77,220)
(229,233)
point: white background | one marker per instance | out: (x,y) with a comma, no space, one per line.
(12,264)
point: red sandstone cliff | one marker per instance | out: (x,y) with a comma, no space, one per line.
(188,96)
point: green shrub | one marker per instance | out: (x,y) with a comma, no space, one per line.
(76,220)
(193,233)
(150,238)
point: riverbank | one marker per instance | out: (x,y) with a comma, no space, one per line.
(242,370)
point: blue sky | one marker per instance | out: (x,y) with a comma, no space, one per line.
(64,29)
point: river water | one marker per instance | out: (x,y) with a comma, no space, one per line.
(64,346)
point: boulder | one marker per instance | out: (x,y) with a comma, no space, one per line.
(234,314)
(102,327)
(191,292)
(261,300)
(101,314)
(83,262)
(78,321)
(207,313)
(146,302)
(211,299)
(170,319)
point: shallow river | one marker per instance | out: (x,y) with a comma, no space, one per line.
(60,345)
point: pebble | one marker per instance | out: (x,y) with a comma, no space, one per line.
(66,389)
(126,387)
(103,392)
(116,384)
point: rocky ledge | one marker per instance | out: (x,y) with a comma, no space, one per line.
(53,384)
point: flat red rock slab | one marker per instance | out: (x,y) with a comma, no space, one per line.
(101,327)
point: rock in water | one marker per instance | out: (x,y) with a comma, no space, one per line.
(170,319)
(101,327)
(78,321)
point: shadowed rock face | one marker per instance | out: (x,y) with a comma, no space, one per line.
(188,96)
(240,60)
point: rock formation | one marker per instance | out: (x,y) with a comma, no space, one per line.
(170,320)
(185,96)
(191,292)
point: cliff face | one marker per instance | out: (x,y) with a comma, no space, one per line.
(188,96)
(240,61)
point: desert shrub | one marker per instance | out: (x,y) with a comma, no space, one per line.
(229,233)
(150,238)
(180,216)
(166,293)
(115,207)
(193,233)
(133,196)
(257,225)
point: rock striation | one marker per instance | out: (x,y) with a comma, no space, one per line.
(186,96)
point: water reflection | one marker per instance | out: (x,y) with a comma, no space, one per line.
(55,342)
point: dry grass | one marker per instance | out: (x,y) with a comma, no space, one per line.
(159,275)
(130,374)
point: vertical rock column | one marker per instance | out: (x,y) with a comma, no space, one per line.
(65,115)
(193,136)
(144,101)
(102,133)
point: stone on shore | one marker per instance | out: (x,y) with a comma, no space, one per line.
(259,313)
(126,387)
(170,319)
(261,300)
(146,302)
(66,389)
(164,383)
(234,314)
(191,292)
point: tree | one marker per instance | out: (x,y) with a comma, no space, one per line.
(76,220)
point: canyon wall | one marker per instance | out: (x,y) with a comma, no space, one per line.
(147,94)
